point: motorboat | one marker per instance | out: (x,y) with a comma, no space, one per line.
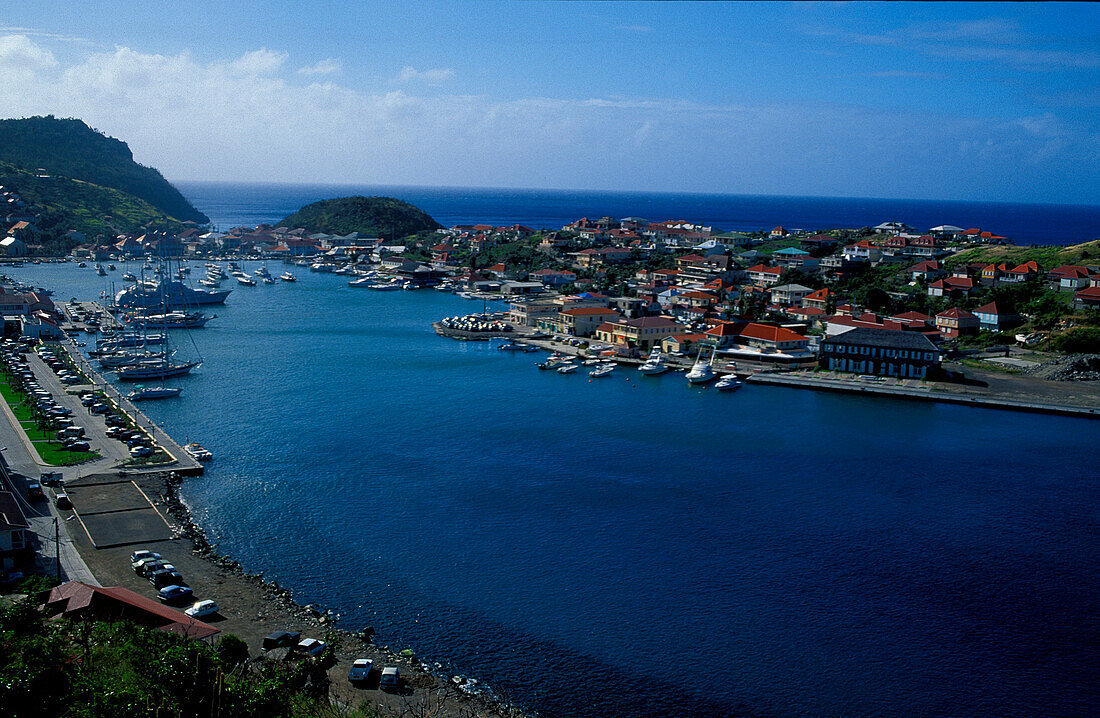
(387,287)
(655,364)
(152,392)
(288,277)
(567,368)
(729,382)
(246,280)
(100,270)
(267,280)
(168,293)
(210,283)
(172,320)
(703,370)
(111,267)
(197,452)
(362,283)
(261,271)
(601,371)
(129,277)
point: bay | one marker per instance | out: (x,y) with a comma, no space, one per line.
(635,546)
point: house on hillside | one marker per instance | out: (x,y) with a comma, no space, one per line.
(956,322)
(995,317)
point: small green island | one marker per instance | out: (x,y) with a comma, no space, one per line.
(377,216)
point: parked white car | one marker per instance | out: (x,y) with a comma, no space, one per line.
(202,608)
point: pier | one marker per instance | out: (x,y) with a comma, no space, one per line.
(183,463)
(76,315)
(922,393)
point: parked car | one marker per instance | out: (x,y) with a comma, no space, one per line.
(280,639)
(139,451)
(166,577)
(62,501)
(360,669)
(50,478)
(74,445)
(202,608)
(141,555)
(34,491)
(391,678)
(311,647)
(88,400)
(99,408)
(174,594)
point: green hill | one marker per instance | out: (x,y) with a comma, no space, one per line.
(1047,257)
(381,216)
(70,148)
(62,204)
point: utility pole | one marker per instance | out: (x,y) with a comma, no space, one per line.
(57,545)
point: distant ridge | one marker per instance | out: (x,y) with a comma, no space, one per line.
(381,216)
(69,148)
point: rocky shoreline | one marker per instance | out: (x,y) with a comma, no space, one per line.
(444,695)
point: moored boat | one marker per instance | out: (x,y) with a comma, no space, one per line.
(152,392)
(655,364)
(703,370)
(729,382)
(197,452)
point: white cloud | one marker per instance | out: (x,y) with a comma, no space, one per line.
(328,66)
(252,118)
(259,62)
(20,52)
(435,76)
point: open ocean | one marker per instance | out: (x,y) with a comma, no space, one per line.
(234,204)
(633,546)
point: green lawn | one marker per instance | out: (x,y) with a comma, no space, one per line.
(51,452)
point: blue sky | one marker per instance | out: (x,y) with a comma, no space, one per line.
(944,101)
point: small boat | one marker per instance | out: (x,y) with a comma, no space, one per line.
(210,283)
(111,267)
(387,287)
(510,347)
(655,364)
(197,452)
(261,271)
(288,277)
(100,270)
(602,371)
(729,382)
(152,392)
(267,280)
(129,277)
(567,368)
(362,282)
(82,265)
(702,371)
(247,281)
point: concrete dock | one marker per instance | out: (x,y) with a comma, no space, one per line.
(854,385)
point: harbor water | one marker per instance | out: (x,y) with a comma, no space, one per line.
(633,546)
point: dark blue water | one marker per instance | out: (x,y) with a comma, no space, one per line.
(232,204)
(634,546)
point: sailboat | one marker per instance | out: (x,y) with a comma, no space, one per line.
(702,371)
(162,366)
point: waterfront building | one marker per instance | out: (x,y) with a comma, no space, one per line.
(881,352)
(760,341)
(528,313)
(638,334)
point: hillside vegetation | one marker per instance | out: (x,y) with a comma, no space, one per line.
(383,217)
(75,669)
(1047,257)
(70,148)
(63,204)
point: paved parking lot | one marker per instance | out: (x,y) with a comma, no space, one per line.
(117,513)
